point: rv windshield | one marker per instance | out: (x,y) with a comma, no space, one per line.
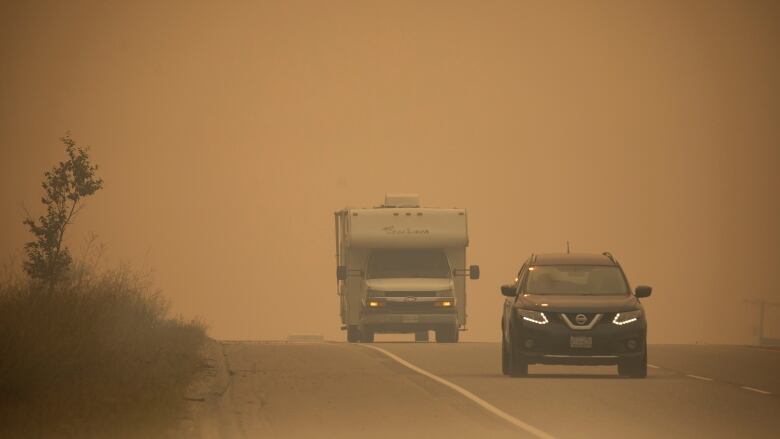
(407,263)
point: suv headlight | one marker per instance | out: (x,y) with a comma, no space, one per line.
(532,316)
(624,318)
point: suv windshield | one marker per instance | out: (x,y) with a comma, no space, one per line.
(407,263)
(576,280)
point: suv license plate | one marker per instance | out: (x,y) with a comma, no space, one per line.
(578,341)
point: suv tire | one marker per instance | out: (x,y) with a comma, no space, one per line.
(518,364)
(634,367)
(421,336)
(505,367)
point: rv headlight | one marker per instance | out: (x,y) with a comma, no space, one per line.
(374,303)
(624,318)
(532,316)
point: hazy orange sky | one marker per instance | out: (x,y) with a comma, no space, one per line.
(227,133)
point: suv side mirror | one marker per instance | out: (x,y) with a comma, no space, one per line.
(509,290)
(643,291)
(474,272)
(341,272)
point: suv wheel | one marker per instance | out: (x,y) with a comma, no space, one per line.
(634,367)
(367,336)
(353,334)
(447,335)
(518,364)
(421,336)
(504,357)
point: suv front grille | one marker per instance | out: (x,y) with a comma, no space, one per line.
(572,317)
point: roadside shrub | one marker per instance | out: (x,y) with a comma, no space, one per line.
(97,356)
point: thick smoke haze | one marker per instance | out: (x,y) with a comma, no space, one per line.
(228,133)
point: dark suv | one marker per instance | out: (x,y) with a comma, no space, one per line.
(573,309)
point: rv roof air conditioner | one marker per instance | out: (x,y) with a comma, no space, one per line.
(402,200)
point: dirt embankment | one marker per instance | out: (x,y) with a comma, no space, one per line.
(206,393)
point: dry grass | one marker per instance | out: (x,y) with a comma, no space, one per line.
(96,357)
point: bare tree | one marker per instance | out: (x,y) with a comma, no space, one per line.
(65,186)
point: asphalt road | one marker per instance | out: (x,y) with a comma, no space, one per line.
(291,390)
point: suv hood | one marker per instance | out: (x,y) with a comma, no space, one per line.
(578,303)
(410,284)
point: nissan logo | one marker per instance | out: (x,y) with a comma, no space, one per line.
(410,299)
(581,319)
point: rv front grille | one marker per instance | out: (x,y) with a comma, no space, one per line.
(410,293)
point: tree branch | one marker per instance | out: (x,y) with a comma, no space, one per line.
(54,265)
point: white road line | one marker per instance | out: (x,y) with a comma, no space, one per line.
(697,377)
(653,366)
(476,399)
(753,389)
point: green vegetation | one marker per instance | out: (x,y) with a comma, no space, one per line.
(64,186)
(87,352)
(95,357)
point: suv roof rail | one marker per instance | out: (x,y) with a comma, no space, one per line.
(609,255)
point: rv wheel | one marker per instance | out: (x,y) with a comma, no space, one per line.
(447,335)
(353,334)
(367,336)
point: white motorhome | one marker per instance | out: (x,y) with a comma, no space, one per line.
(401,269)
